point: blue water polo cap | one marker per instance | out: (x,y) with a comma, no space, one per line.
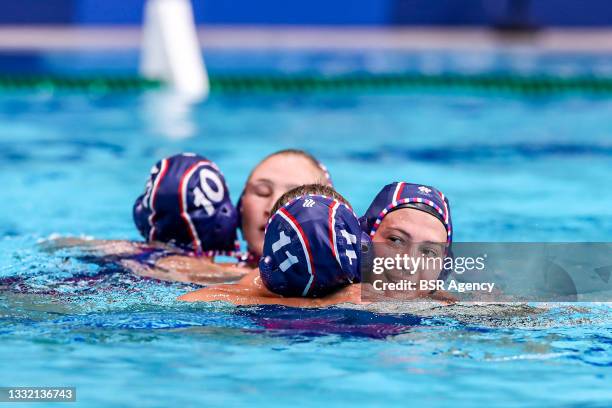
(187,203)
(407,195)
(312,247)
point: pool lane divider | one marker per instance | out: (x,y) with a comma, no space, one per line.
(100,84)
(252,83)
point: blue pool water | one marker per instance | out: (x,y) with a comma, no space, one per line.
(514,168)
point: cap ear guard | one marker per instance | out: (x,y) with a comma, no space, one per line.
(141,214)
(367,255)
(142,210)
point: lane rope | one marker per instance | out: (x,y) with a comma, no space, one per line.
(252,83)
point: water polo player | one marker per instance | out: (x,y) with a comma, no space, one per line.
(271,178)
(187,204)
(312,248)
(412,219)
(186,217)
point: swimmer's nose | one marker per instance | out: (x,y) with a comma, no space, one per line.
(268,208)
(413,251)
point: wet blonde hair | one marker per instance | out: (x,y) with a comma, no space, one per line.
(324,177)
(316,189)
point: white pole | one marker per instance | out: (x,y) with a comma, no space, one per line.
(170,48)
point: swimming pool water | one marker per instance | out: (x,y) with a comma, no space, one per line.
(514,169)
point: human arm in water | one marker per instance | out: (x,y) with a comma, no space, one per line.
(154,260)
(250,290)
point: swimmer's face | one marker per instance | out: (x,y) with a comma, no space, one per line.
(412,232)
(272,178)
